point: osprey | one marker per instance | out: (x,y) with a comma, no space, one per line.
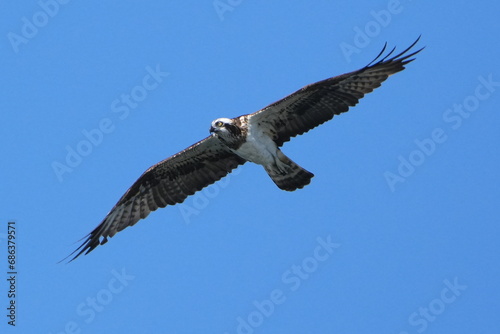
(254,137)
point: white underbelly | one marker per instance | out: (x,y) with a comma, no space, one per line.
(261,150)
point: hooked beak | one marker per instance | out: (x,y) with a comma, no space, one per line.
(213,130)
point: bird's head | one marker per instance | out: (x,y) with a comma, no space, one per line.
(224,127)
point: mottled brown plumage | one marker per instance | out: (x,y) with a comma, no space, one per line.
(175,178)
(317,103)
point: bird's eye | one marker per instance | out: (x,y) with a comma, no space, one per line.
(219,124)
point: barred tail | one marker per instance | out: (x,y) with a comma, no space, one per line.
(287,174)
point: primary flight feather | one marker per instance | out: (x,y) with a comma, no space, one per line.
(254,137)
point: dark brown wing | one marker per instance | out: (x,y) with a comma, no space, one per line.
(319,102)
(167,183)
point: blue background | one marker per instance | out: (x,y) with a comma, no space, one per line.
(416,254)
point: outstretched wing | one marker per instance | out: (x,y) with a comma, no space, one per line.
(167,183)
(319,102)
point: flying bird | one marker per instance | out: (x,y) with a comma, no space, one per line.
(254,137)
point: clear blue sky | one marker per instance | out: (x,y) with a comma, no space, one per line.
(397,233)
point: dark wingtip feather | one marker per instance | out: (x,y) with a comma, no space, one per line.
(401,57)
(379,54)
(90,243)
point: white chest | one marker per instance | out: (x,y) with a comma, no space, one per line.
(258,148)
